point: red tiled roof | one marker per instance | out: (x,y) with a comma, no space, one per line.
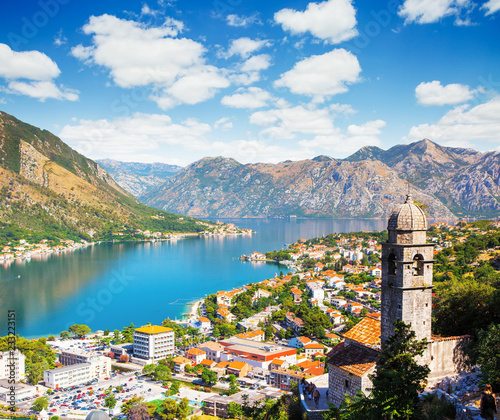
(356,359)
(367,332)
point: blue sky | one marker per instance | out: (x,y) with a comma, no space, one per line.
(174,81)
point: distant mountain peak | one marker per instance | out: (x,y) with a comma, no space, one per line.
(322,158)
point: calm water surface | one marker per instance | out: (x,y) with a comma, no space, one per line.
(112,284)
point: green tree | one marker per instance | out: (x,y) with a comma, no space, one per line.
(64,334)
(174,388)
(148,368)
(487,355)
(110,401)
(36,370)
(396,384)
(464,307)
(235,410)
(127,405)
(51,338)
(399,377)
(170,410)
(269,332)
(162,373)
(40,404)
(79,330)
(233,385)
(209,377)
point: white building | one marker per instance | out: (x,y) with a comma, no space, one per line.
(72,357)
(153,342)
(316,291)
(20,392)
(96,367)
(68,376)
(12,365)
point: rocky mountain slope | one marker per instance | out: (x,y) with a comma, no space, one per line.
(466,181)
(221,187)
(451,181)
(138,178)
(45,186)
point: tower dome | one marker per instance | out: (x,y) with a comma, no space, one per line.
(97,415)
(407,216)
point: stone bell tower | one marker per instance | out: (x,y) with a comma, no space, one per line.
(407,267)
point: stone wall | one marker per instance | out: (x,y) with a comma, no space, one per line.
(445,357)
(341,383)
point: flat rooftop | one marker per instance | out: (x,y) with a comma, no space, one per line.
(255,347)
(68,368)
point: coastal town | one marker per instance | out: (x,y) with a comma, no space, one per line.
(255,343)
(23,248)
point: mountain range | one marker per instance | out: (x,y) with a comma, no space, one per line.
(138,178)
(451,182)
(46,186)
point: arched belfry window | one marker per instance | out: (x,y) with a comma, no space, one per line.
(392,264)
(418,265)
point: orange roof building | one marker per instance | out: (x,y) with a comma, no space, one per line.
(366,332)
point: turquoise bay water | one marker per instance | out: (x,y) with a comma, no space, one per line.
(111,285)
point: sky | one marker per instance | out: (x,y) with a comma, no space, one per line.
(174,81)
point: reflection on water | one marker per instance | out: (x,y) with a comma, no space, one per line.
(112,284)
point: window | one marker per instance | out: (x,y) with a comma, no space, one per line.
(418,265)
(346,383)
(392,264)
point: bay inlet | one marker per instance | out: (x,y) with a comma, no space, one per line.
(110,285)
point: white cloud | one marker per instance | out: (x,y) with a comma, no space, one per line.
(239,21)
(356,137)
(333,20)
(123,138)
(285,123)
(32,65)
(463,124)
(137,54)
(344,109)
(223,124)
(491,6)
(250,98)
(38,72)
(156,138)
(248,72)
(430,11)
(244,47)
(433,93)
(322,75)
(60,39)
(256,63)
(42,90)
